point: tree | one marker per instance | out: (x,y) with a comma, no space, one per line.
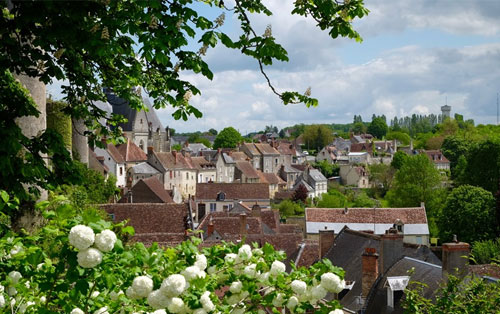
(332,199)
(358,128)
(483,167)
(468,213)
(289,208)
(485,252)
(317,136)
(416,181)
(382,176)
(399,159)
(378,127)
(227,138)
(128,47)
(212,132)
(326,168)
(453,147)
(363,201)
(403,137)
(300,194)
(59,121)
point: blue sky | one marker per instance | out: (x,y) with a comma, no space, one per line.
(415,55)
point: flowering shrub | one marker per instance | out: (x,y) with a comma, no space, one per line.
(77,264)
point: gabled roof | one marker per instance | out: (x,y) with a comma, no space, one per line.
(266,149)
(131,152)
(239,156)
(174,160)
(436,156)
(361,147)
(252,149)
(270,178)
(200,163)
(303,182)
(96,164)
(285,148)
(316,175)
(233,191)
(227,159)
(115,154)
(246,168)
(144,168)
(156,187)
(290,169)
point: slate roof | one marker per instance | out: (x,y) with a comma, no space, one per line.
(228,159)
(303,182)
(317,176)
(163,223)
(131,152)
(195,148)
(423,272)
(121,106)
(233,191)
(145,168)
(246,168)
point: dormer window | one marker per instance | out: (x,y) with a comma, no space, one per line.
(395,287)
(399,226)
(221,196)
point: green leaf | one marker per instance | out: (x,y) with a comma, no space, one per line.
(5,196)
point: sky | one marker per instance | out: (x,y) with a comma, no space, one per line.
(416,56)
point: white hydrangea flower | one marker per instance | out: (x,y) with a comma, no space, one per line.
(2,288)
(131,294)
(15,276)
(176,305)
(193,272)
(16,249)
(299,287)
(206,302)
(240,310)
(39,266)
(81,237)
(235,287)
(142,286)
(159,312)
(230,258)
(200,311)
(257,252)
(318,292)
(89,258)
(77,311)
(277,268)
(278,300)
(12,302)
(245,252)
(211,270)
(12,291)
(43,299)
(105,241)
(115,295)
(2,301)
(173,285)
(24,306)
(244,294)
(102,310)
(201,261)
(337,311)
(292,302)
(250,270)
(264,277)
(331,282)
(157,300)
(95,294)
(232,300)
(27,284)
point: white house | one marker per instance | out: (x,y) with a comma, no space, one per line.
(114,161)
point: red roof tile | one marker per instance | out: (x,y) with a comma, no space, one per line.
(157,188)
(233,191)
(113,151)
(266,149)
(246,168)
(415,215)
(131,152)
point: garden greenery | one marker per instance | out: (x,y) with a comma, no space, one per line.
(77,263)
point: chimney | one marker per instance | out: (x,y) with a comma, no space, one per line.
(326,240)
(150,150)
(455,257)
(210,228)
(256,210)
(369,270)
(391,249)
(243,225)
(104,141)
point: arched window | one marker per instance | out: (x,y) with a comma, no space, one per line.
(141,144)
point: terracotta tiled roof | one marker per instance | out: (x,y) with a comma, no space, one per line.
(239,156)
(152,222)
(131,152)
(361,147)
(490,270)
(266,149)
(233,191)
(174,160)
(201,163)
(95,164)
(157,188)
(436,156)
(283,195)
(269,178)
(415,215)
(113,151)
(246,168)
(285,148)
(252,149)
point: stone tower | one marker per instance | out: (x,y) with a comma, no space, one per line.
(445,112)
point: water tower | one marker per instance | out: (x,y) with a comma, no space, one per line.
(445,111)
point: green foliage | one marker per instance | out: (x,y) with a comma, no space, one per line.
(399,159)
(227,138)
(485,252)
(378,127)
(403,137)
(483,167)
(468,213)
(416,181)
(317,136)
(212,132)
(326,168)
(177,147)
(332,199)
(59,121)
(362,200)
(453,147)
(197,138)
(382,176)
(289,208)
(470,295)
(300,194)
(358,128)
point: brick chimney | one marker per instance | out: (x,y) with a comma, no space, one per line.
(256,210)
(369,270)
(150,150)
(391,249)
(455,258)
(243,224)
(210,228)
(326,240)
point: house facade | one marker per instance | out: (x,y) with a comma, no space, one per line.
(354,176)
(114,162)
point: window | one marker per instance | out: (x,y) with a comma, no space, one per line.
(112,216)
(141,121)
(121,171)
(419,240)
(213,207)
(170,174)
(187,176)
(221,196)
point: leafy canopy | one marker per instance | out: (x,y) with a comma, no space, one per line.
(227,138)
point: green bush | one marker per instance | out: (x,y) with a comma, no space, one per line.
(289,208)
(485,252)
(332,199)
